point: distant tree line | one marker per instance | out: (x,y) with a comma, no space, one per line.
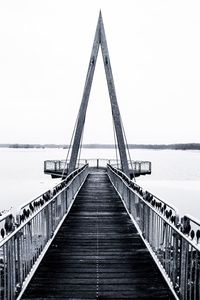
(185,146)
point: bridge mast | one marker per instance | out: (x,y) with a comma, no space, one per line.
(84,102)
(113,100)
(99,39)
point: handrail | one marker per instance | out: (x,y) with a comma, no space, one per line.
(26,237)
(170,239)
(140,189)
(9,217)
(56,187)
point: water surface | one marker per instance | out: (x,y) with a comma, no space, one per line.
(175,175)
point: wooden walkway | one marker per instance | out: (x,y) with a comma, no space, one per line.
(97,253)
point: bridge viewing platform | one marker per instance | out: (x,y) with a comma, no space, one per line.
(59,168)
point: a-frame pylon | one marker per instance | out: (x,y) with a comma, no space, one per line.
(99,40)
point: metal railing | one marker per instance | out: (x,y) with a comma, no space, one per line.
(24,239)
(139,167)
(173,242)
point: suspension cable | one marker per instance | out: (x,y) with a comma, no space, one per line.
(81,143)
(115,140)
(129,155)
(70,145)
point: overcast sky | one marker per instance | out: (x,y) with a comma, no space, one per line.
(155,56)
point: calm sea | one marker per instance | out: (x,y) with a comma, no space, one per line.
(175,175)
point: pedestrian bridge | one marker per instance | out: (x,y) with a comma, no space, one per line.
(99,235)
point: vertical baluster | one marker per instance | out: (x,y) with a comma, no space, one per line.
(33,240)
(144,220)
(45,240)
(157,234)
(13,268)
(28,245)
(5,272)
(8,275)
(47,218)
(66,198)
(19,258)
(196,282)
(175,257)
(198,277)
(184,269)
(130,200)
(150,213)
(1,273)
(56,211)
(151,217)
(168,250)
(133,206)
(25,247)
(147,221)
(124,194)
(142,216)
(162,248)
(62,203)
(153,228)
(25,253)
(22,254)
(165,246)
(191,271)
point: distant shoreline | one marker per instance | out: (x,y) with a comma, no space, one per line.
(180,146)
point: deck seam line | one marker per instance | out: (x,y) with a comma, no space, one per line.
(97,254)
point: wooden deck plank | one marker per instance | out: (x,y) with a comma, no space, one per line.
(97,253)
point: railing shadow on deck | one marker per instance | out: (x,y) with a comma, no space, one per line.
(173,242)
(26,237)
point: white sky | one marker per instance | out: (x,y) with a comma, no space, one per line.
(155,56)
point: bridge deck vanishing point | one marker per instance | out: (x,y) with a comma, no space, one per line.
(97,253)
